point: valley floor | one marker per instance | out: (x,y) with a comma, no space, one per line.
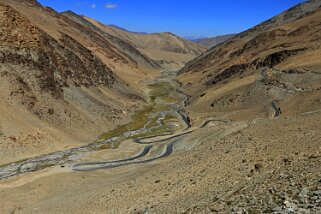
(236,130)
(263,165)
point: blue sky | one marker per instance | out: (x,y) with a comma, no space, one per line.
(182,17)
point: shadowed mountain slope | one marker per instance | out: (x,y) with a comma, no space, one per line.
(63,80)
(276,60)
(167,49)
(211,42)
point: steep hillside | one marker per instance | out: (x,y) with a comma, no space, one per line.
(123,29)
(167,49)
(135,56)
(63,81)
(211,42)
(278,60)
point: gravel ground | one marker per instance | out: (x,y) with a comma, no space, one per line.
(259,166)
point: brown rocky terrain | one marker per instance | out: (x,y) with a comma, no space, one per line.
(58,75)
(231,150)
(166,48)
(235,167)
(274,61)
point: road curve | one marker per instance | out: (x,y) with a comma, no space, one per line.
(90,166)
(277,112)
(139,140)
(141,154)
(209,121)
(169,150)
(173,139)
(63,157)
(186,119)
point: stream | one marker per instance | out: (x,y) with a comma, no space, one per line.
(163,116)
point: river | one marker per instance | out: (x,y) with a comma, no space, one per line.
(163,115)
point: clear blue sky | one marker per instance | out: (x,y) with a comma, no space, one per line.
(182,17)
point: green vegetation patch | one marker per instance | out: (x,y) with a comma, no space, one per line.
(158,91)
(44,166)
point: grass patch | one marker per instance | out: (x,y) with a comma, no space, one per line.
(107,146)
(160,130)
(170,117)
(158,150)
(139,119)
(153,123)
(158,91)
(44,166)
(168,99)
(104,147)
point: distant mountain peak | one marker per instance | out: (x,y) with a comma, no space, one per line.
(193,38)
(124,29)
(213,41)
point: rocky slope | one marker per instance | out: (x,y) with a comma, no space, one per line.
(213,41)
(249,163)
(136,57)
(167,49)
(63,81)
(234,167)
(276,60)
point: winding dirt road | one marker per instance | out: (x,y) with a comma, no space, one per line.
(156,121)
(169,149)
(277,112)
(164,141)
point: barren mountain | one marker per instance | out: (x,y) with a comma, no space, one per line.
(167,49)
(244,138)
(62,79)
(277,60)
(213,41)
(123,29)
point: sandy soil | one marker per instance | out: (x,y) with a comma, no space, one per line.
(253,163)
(228,163)
(41,109)
(275,60)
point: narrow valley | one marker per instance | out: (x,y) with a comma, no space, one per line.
(163,116)
(97,118)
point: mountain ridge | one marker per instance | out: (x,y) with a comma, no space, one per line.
(58,75)
(167,49)
(96,119)
(124,29)
(210,42)
(286,43)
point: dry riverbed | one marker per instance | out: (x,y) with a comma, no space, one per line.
(262,165)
